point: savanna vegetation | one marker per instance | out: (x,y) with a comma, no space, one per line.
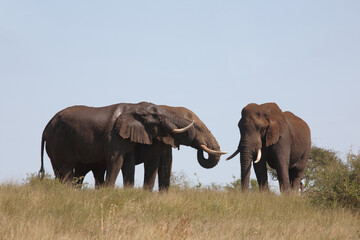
(329,208)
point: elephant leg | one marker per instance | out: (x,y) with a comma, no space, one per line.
(63,167)
(128,171)
(113,168)
(281,160)
(164,171)
(151,167)
(65,174)
(283,177)
(295,178)
(261,175)
(80,172)
(99,173)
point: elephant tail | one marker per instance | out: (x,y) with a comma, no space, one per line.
(42,171)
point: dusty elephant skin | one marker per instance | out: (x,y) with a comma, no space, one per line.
(104,138)
(278,138)
(157,157)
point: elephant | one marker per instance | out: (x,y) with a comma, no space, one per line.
(157,157)
(104,138)
(278,138)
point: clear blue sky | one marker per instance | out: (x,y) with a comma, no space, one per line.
(213,57)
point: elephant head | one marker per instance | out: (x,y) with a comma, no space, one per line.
(197,136)
(144,122)
(260,127)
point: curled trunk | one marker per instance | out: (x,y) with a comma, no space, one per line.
(196,135)
(212,144)
(211,162)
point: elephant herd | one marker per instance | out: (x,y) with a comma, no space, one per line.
(80,139)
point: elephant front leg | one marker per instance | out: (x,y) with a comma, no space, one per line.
(164,173)
(128,172)
(113,167)
(151,167)
(261,175)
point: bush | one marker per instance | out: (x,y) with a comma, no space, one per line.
(329,181)
(320,161)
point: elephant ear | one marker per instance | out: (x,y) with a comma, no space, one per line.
(130,128)
(169,141)
(276,126)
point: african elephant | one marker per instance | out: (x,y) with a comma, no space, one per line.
(278,138)
(157,157)
(104,138)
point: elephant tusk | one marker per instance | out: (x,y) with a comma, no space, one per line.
(213,152)
(181,130)
(233,155)
(258,156)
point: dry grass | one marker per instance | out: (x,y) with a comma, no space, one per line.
(49,210)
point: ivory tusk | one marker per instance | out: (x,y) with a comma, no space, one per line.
(213,152)
(181,130)
(233,155)
(258,156)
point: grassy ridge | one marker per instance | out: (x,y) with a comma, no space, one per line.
(49,210)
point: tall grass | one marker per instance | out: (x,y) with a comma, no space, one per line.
(49,210)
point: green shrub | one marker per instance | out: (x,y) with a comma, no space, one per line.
(331,182)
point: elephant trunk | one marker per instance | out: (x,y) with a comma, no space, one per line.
(246,157)
(212,148)
(211,162)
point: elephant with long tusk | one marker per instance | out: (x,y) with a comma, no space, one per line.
(157,157)
(278,138)
(105,138)
(177,126)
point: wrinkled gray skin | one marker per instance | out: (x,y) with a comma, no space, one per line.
(284,140)
(104,138)
(157,157)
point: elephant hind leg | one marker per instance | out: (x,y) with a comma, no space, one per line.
(295,175)
(80,171)
(65,174)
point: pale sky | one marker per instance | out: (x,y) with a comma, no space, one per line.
(213,57)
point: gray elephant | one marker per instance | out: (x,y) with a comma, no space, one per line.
(105,138)
(278,138)
(157,157)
